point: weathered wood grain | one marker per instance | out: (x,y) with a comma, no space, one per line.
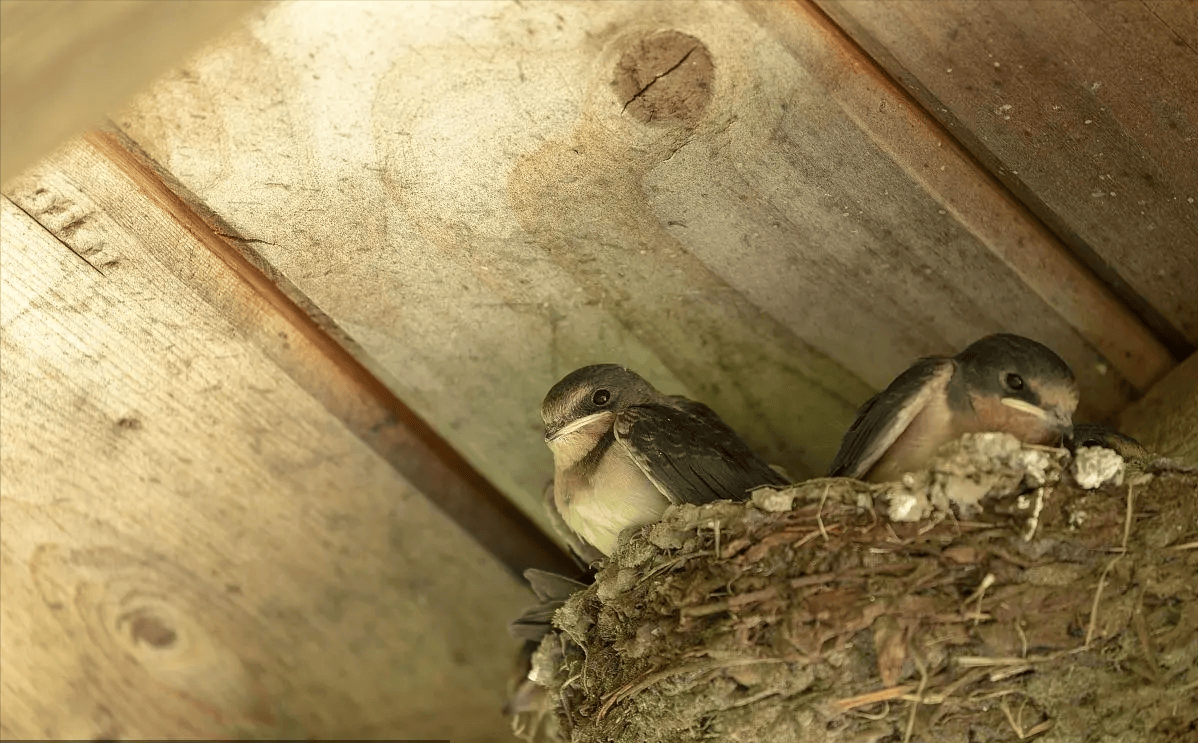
(1166,419)
(460,188)
(67,62)
(191,544)
(1086,110)
(311,349)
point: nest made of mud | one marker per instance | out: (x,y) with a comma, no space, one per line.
(1008,592)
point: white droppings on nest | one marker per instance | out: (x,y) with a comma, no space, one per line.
(1038,465)
(1077,519)
(774,501)
(1095,466)
(967,471)
(546,661)
(965,491)
(906,507)
(1033,521)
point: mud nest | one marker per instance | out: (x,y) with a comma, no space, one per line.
(1009,592)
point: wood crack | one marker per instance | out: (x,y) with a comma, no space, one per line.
(249,240)
(1177,36)
(53,234)
(652,82)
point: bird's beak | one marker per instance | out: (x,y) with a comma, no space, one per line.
(556,432)
(1058,419)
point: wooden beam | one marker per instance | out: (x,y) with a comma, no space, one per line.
(122,186)
(1166,419)
(191,545)
(1084,110)
(462,190)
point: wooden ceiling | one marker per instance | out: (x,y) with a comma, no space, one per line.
(329,267)
(461,193)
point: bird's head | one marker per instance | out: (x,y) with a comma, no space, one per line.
(586,400)
(1017,385)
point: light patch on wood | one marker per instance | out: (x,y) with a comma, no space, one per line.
(69,61)
(192,546)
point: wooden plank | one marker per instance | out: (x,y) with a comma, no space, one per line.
(1085,110)
(1166,419)
(66,62)
(100,171)
(903,133)
(191,545)
(460,190)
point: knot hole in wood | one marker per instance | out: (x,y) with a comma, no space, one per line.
(666,77)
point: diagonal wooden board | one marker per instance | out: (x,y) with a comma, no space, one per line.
(192,544)
(118,183)
(458,189)
(1166,419)
(1087,111)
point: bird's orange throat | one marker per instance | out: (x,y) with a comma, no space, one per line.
(992,415)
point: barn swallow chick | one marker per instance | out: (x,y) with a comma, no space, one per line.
(1002,382)
(622,452)
(1092,434)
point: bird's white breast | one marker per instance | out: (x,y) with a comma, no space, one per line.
(616,496)
(932,428)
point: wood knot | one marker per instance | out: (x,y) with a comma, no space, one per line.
(146,628)
(129,424)
(666,77)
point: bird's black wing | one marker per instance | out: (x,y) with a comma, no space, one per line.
(884,417)
(690,454)
(549,586)
(551,591)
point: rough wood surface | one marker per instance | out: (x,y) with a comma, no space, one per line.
(65,63)
(1166,419)
(313,357)
(773,229)
(1087,110)
(192,544)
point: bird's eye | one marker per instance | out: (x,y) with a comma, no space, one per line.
(1014,382)
(600,397)
(1091,442)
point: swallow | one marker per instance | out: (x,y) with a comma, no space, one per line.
(1002,382)
(1092,434)
(623,452)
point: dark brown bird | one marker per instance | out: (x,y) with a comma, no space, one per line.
(1002,382)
